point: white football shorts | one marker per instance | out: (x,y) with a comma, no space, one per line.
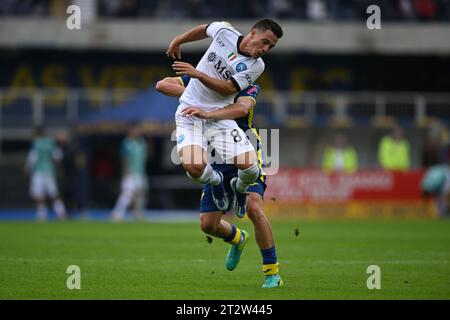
(132,183)
(43,185)
(224,136)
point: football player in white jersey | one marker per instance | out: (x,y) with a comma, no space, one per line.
(231,63)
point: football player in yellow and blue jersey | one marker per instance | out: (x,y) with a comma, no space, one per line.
(242,111)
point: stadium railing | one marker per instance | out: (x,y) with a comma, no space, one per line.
(60,107)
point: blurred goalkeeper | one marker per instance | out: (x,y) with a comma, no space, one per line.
(242,112)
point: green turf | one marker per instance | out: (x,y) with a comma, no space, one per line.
(327,260)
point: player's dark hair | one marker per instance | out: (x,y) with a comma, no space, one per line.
(269,24)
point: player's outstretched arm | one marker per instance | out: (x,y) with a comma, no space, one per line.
(233,111)
(170,86)
(195,34)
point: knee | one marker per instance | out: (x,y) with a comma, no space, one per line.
(255,212)
(194,170)
(207,226)
(246,160)
(40,201)
(126,193)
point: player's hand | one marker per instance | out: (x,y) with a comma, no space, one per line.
(174,50)
(195,112)
(184,68)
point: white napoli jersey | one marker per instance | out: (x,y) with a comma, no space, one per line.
(223,60)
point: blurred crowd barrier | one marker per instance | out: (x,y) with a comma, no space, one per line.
(20,111)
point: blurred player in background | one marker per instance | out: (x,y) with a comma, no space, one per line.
(40,164)
(231,63)
(134,185)
(436,182)
(242,112)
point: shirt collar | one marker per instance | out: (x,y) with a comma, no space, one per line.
(238,44)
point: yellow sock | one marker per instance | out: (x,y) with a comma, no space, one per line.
(237,237)
(270,269)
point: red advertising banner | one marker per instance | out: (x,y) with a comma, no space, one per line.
(292,185)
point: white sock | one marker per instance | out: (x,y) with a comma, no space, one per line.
(247,177)
(41,211)
(122,205)
(59,208)
(208,176)
(140,204)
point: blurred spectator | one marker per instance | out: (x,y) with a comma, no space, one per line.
(433,151)
(103,174)
(406,9)
(134,181)
(430,152)
(393,151)
(426,9)
(279,8)
(340,156)
(40,163)
(316,9)
(73,173)
(436,183)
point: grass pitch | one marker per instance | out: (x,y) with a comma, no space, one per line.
(174,261)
